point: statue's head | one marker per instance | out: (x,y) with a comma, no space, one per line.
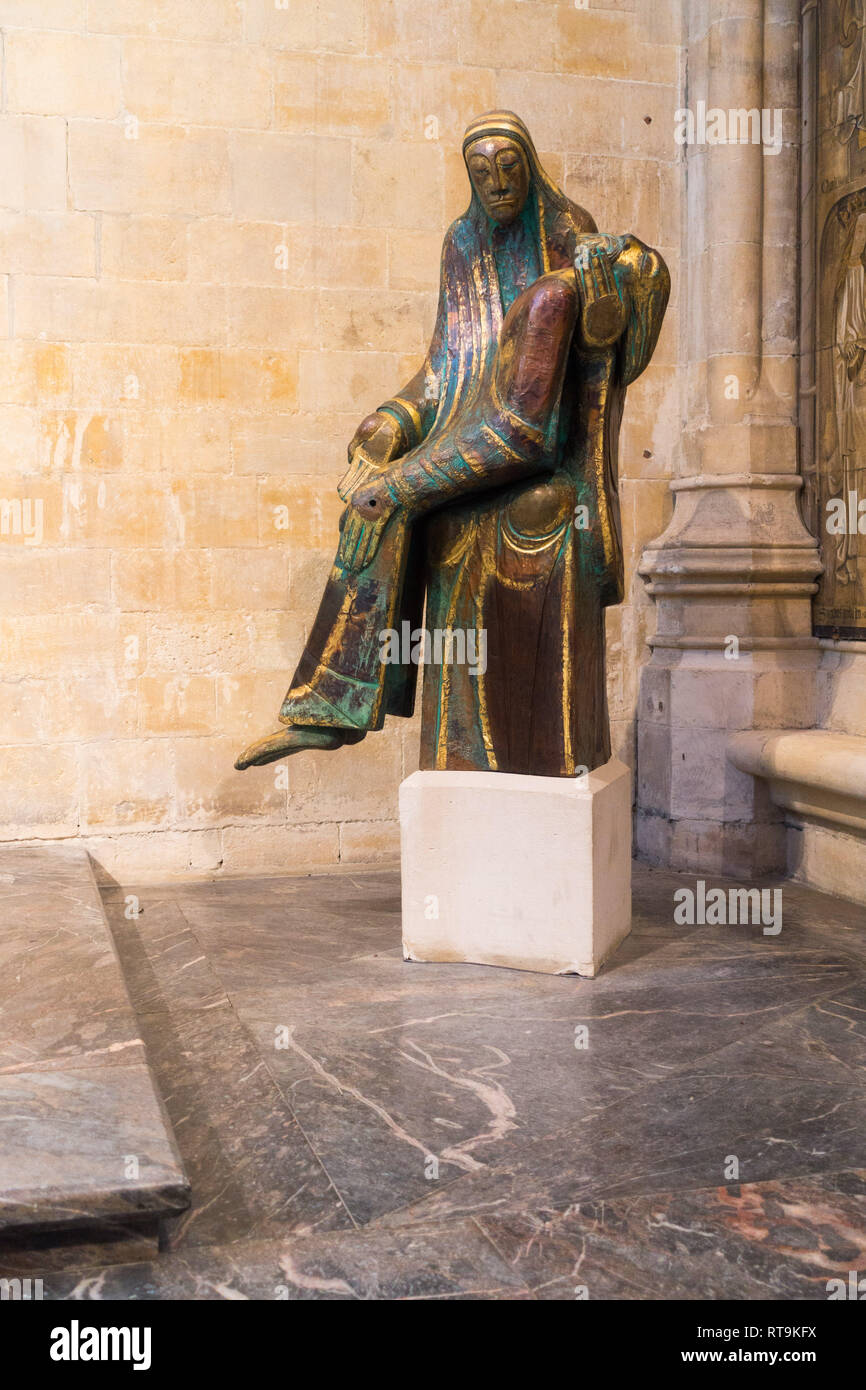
(499,170)
(506,174)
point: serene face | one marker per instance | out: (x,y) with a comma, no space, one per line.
(500,176)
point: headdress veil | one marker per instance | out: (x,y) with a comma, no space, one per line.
(550,201)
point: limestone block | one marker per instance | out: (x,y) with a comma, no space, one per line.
(61,74)
(404,31)
(270,318)
(51,14)
(336,96)
(290,177)
(47,243)
(601,44)
(379,181)
(160,580)
(176,704)
(221,252)
(105,375)
(298,512)
(373,320)
(205,642)
(126,784)
(155,856)
(246,703)
(355,259)
(495,33)
(38,791)
(610,116)
(452,97)
(533,873)
(336,380)
(171,19)
(78,309)
(248,379)
(35,370)
(619,192)
(143,248)
(355,784)
(203,84)
(370,842)
(84,642)
(18,442)
(829,860)
(126,167)
(208,791)
(249,579)
(413,260)
(45,581)
(329,26)
(33,160)
(283,849)
(842,692)
(286,445)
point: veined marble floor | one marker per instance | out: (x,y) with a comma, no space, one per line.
(354,1126)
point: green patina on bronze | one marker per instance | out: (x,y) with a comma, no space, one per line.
(488,484)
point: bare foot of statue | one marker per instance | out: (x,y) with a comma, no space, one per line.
(294,739)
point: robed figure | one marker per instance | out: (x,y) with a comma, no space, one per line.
(846,475)
(488,485)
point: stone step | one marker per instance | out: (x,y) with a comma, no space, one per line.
(84,1138)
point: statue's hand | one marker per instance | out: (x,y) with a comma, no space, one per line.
(364,520)
(602,309)
(361,470)
(381,436)
(367,427)
(376,441)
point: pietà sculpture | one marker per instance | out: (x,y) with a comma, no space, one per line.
(489,484)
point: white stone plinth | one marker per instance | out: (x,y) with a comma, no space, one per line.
(528,872)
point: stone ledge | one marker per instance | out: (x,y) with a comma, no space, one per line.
(84,1139)
(813,773)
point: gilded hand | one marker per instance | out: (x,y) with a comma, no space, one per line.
(603,311)
(364,520)
(376,441)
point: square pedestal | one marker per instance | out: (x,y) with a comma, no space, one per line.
(528,872)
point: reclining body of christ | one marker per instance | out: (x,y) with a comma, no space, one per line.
(489,484)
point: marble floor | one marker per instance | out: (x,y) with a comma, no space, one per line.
(688,1125)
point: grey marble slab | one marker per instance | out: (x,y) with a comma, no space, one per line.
(83,1134)
(62,996)
(285,939)
(86,1145)
(389,1064)
(669,1137)
(29,1252)
(250,1167)
(164,964)
(826,1041)
(358,1127)
(456,1262)
(772,1240)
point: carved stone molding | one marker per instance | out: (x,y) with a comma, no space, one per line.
(734,535)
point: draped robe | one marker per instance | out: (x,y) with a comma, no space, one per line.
(508,468)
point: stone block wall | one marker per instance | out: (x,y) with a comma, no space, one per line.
(220,226)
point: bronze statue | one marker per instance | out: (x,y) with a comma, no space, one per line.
(489,483)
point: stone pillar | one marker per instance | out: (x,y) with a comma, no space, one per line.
(734,572)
